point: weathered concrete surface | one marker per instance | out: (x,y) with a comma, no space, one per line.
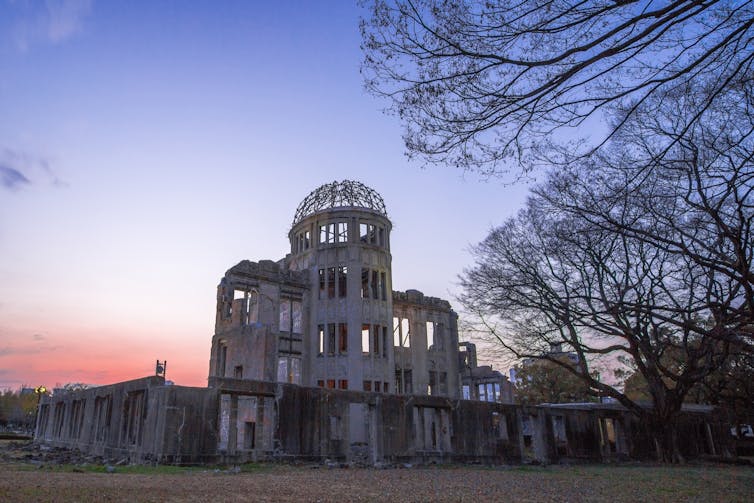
(237,420)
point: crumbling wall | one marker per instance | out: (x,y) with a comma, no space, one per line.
(140,420)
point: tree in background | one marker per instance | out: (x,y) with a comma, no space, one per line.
(18,409)
(541,381)
(482,85)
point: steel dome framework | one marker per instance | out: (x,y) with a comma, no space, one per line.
(348,193)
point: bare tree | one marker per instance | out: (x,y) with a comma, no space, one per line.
(483,85)
(542,279)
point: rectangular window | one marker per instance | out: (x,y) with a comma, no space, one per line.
(321,332)
(323,234)
(285,315)
(376,340)
(466,392)
(444,383)
(331,338)
(398,381)
(294,371)
(363,233)
(320,383)
(331,383)
(430,335)
(238,372)
(322,284)
(342,229)
(383,286)
(282,370)
(343,384)
(307,240)
(365,339)
(343,338)
(364,283)
(408,382)
(377,386)
(384,341)
(385,387)
(401,335)
(381,238)
(375,285)
(342,280)
(296,316)
(331,282)
(482,396)
(367,385)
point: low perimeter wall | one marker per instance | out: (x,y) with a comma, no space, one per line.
(234,421)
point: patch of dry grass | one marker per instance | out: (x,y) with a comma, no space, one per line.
(287,483)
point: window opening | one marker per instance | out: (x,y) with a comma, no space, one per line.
(342,280)
(343,338)
(330,282)
(331,338)
(365,339)
(321,332)
(364,283)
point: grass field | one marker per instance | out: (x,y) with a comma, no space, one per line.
(617,483)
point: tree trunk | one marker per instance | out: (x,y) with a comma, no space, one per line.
(664,432)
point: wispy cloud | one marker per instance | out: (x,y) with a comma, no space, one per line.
(19,169)
(11,178)
(28,350)
(51,22)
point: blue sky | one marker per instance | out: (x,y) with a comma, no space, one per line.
(146,147)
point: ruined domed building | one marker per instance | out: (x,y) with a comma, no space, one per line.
(326,314)
(315,357)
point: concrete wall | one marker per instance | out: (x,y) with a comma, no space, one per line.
(237,420)
(140,420)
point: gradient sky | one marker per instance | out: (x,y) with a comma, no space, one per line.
(147,147)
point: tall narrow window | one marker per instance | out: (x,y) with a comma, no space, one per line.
(384,342)
(430,335)
(296,317)
(342,280)
(282,370)
(323,234)
(375,285)
(331,338)
(363,233)
(343,384)
(376,340)
(322,284)
(343,338)
(383,286)
(342,229)
(402,337)
(365,339)
(330,282)
(364,283)
(285,315)
(321,332)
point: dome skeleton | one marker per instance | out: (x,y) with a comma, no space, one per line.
(348,193)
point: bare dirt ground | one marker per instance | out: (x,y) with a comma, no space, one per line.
(26,478)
